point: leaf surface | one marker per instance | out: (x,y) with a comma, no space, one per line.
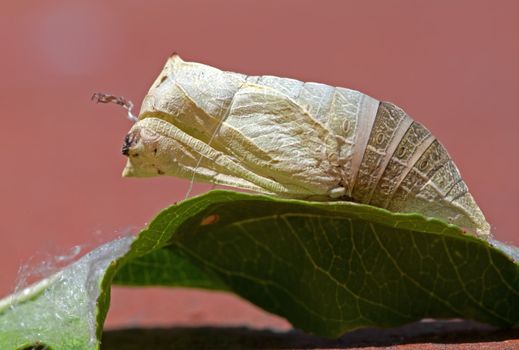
(325,267)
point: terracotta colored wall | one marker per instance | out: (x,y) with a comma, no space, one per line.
(453,65)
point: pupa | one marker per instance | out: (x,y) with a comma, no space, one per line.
(285,137)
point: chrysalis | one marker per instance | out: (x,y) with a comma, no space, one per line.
(288,138)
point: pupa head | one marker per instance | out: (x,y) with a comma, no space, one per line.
(141,146)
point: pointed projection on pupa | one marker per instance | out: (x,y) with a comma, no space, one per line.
(284,137)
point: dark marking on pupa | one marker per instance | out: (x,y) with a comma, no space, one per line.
(126,145)
(129,141)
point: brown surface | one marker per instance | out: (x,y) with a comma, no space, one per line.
(452,65)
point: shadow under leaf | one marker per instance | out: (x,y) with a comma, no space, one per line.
(246,338)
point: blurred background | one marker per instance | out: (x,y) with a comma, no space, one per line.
(452,65)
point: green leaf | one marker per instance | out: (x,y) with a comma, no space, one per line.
(325,267)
